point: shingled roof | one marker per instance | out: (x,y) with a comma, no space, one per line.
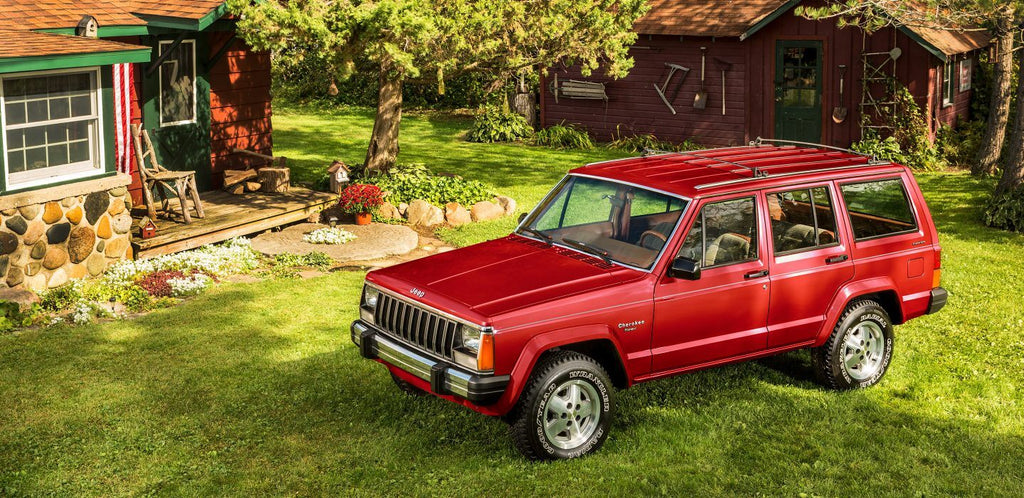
(21,43)
(51,14)
(741,18)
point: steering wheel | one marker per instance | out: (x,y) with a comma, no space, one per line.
(653,233)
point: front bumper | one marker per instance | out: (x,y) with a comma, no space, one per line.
(937,300)
(444,378)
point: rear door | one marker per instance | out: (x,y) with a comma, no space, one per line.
(721,315)
(810,260)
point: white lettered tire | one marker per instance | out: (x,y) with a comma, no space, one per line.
(858,352)
(566,409)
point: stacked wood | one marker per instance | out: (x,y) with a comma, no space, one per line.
(252,186)
(237,181)
(274,179)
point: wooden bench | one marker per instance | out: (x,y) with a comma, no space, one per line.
(579,90)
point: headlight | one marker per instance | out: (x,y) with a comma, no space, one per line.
(371,296)
(477,351)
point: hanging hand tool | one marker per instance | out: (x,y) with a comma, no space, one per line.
(700,100)
(723,66)
(672,69)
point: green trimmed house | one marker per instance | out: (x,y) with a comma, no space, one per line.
(74,76)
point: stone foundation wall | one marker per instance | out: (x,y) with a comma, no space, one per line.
(45,244)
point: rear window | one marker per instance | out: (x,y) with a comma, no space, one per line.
(878,208)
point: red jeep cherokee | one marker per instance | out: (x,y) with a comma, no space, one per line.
(636,269)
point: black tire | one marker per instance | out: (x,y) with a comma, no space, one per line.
(863,334)
(407,387)
(555,378)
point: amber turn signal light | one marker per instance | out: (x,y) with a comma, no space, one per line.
(485,357)
(936,278)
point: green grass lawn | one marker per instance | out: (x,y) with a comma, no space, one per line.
(255,389)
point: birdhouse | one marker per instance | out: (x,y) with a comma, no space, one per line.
(87,27)
(147,229)
(338,173)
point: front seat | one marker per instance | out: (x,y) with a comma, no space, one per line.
(727,248)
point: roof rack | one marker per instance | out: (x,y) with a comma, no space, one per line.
(760,141)
(757,172)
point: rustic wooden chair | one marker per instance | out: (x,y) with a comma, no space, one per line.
(181,184)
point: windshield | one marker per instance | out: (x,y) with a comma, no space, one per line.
(612,221)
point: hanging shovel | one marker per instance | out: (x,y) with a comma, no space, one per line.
(840,111)
(700,100)
(723,66)
(672,68)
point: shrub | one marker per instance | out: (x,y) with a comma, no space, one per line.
(12,317)
(959,146)
(63,297)
(314,259)
(563,136)
(647,141)
(157,283)
(361,198)
(497,124)
(924,157)
(1006,211)
(406,183)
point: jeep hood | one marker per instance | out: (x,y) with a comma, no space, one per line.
(501,275)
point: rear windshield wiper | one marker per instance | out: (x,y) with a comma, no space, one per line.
(543,236)
(583,246)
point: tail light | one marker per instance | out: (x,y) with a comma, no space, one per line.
(937,274)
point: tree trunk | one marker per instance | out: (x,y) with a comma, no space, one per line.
(383,150)
(999,110)
(1013,173)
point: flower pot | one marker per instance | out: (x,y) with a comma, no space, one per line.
(363,218)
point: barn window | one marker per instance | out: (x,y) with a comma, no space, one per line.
(51,127)
(948,83)
(178,83)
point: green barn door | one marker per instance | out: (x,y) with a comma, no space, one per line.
(798,86)
(176,108)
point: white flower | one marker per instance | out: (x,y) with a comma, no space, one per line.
(331,235)
(189,286)
(233,256)
(82,313)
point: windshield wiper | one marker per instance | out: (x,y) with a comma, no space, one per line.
(583,246)
(543,236)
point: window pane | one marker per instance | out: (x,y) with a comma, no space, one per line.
(81,106)
(825,214)
(78,130)
(35,158)
(177,83)
(15,139)
(693,246)
(57,155)
(15,161)
(57,86)
(35,88)
(878,208)
(35,136)
(80,83)
(15,113)
(78,152)
(731,232)
(793,220)
(38,111)
(60,108)
(14,90)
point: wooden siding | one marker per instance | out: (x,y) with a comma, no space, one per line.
(634,107)
(240,105)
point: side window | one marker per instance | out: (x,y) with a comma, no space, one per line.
(878,208)
(178,84)
(724,233)
(801,219)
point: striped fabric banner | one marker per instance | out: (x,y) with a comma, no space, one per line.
(123,83)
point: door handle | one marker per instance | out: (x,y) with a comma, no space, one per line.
(836,259)
(756,274)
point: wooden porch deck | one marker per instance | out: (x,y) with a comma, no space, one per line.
(228,216)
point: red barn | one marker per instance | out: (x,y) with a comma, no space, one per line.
(766,73)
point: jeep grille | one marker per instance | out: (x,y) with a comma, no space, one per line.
(429,330)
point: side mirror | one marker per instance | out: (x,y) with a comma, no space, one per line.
(521,218)
(686,269)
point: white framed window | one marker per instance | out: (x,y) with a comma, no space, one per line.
(51,127)
(948,83)
(178,83)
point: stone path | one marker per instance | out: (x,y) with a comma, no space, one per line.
(374,242)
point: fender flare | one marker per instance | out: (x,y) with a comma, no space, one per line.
(847,294)
(550,339)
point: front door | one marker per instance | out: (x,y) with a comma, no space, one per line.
(798,75)
(176,106)
(723,314)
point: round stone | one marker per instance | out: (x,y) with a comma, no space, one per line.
(79,271)
(55,258)
(17,224)
(117,206)
(9,212)
(59,278)
(15,277)
(118,192)
(81,243)
(116,247)
(52,213)
(58,233)
(30,212)
(101,245)
(96,204)
(67,202)
(39,250)
(103,228)
(33,268)
(35,231)
(75,214)
(96,264)
(122,223)
(8,242)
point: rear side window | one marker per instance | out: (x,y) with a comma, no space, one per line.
(801,219)
(878,208)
